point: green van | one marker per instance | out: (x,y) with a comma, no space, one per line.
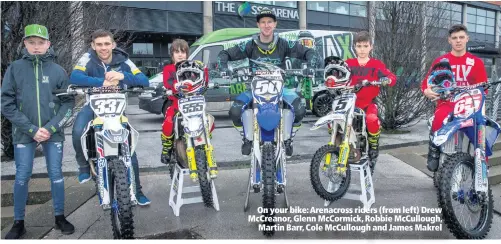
(207,48)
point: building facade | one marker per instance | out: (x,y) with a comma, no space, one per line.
(155,24)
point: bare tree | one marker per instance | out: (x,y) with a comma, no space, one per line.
(69,24)
(408,35)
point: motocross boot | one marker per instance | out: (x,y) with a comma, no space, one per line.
(166,148)
(246,147)
(373,140)
(433,155)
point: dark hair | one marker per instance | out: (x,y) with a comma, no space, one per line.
(101,33)
(457,28)
(180,44)
(362,36)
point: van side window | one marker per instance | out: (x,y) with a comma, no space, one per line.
(212,52)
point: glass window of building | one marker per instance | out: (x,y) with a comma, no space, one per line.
(290,4)
(142,48)
(353,8)
(481,20)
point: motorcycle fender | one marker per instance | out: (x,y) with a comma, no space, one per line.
(328,119)
(83,140)
(446,131)
(110,149)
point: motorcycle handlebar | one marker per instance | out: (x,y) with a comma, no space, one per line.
(80,90)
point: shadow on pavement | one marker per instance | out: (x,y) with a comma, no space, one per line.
(181,234)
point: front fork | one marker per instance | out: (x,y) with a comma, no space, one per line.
(103,171)
(481,171)
(344,147)
(126,158)
(208,148)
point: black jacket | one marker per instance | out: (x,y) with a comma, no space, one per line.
(27,99)
(274,54)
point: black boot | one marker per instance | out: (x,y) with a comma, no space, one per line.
(166,148)
(246,147)
(433,156)
(288,147)
(17,230)
(62,224)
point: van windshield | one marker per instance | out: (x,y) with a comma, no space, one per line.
(193,48)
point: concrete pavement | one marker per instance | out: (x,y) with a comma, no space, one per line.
(396,183)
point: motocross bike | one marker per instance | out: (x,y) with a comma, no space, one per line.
(108,142)
(192,146)
(267,122)
(348,143)
(463,177)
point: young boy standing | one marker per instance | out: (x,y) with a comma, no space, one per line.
(362,68)
(37,116)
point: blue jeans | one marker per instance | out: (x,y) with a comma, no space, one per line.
(24,155)
(245,98)
(83,118)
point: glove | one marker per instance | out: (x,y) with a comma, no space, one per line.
(225,73)
(384,81)
(357,87)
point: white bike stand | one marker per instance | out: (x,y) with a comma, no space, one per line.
(177,189)
(366,189)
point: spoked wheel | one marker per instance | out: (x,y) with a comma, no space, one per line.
(468,214)
(121,207)
(204,180)
(337,183)
(269,178)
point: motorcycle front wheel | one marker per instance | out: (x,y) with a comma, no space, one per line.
(268,168)
(121,207)
(204,180)
(337,184)
(458,198)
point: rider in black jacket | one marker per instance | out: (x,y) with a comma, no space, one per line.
(267,47)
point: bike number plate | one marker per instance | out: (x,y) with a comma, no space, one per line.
(105,105)
(192,105)
(466,104)
(343,103)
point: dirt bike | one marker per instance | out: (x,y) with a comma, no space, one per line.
(466,138)
(108,142)
(348,143)
(192,146)
(268,123)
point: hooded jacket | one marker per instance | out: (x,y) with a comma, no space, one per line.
(27,99)
(90,70)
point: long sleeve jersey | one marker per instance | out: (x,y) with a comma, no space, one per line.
(373,70)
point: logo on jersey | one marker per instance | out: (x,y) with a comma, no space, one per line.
(461,72)
(470,61)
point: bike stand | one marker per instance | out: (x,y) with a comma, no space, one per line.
(366,189)
(177,190)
